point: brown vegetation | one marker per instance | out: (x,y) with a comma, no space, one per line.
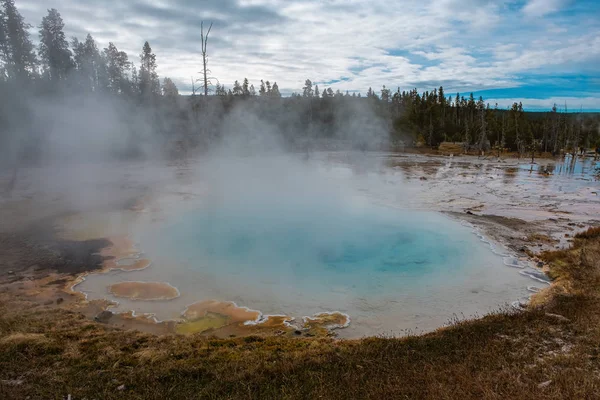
(591,233)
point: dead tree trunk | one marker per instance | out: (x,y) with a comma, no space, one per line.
(204,39)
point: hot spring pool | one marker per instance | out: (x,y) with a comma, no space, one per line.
(389,269)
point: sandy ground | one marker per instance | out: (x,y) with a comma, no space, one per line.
(529,208)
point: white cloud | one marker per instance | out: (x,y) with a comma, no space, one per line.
(461,44)
(539,8)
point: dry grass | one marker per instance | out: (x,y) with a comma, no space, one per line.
(549,352)
(591,233)
(19,338)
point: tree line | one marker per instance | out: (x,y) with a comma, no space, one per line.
(80,64)
(57,65)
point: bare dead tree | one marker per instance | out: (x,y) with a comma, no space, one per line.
(206,80)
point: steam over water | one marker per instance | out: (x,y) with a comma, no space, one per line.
(304,239)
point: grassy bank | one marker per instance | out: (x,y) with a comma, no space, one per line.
(550,351)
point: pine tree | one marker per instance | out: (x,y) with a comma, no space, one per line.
(317,93)
(443,105)
(16,50)
(430,139)
(307,90)
(483,124)
(54,48)
(237,89)
(117,66)
(169,89)
(220,90)
(385,94)
(148,80)
(262,91)
(88,63)
(457,106)
(503,137)
(246,88)
(275,90)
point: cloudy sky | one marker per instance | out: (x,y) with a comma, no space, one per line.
(539,52)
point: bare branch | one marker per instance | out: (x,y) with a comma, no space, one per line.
(204,42)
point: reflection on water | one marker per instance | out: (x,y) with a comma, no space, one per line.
(584,168)
(566,175)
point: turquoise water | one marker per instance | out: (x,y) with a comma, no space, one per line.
(367,248)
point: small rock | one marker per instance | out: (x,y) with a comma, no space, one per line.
(544,384)
(122,387)
(297,332)
(423,178)
(48,302)
(103,317)
(11,272)
(59,300)
(470,212)
(540,264)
